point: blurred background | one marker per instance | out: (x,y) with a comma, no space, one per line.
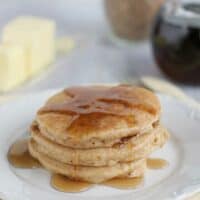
(107,41)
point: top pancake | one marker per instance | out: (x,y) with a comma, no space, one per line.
(96,116)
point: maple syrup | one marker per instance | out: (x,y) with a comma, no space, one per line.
(156,163)
(97,101)
(124,183)
(176,43)
(64,184)
(19,156)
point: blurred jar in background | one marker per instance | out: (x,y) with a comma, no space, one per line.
(176,40)
(132,19)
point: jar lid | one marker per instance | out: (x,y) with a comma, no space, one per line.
(186,14)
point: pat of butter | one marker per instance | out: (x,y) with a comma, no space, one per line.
(13,69)
(37,35)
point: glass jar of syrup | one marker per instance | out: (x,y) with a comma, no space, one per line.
(176,40)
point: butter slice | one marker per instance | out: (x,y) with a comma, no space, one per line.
(13,69)
(37,35)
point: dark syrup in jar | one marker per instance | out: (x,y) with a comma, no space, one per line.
(176,46)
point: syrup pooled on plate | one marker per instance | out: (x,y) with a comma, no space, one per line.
(64,184)
(19,156)
(124,183)
(156,163)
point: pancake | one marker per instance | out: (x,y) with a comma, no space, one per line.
(90,174)
(129,149)
(98,116)
(96,133)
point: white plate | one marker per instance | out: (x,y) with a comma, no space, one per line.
(178,180)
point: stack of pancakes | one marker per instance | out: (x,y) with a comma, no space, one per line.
(97,133)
